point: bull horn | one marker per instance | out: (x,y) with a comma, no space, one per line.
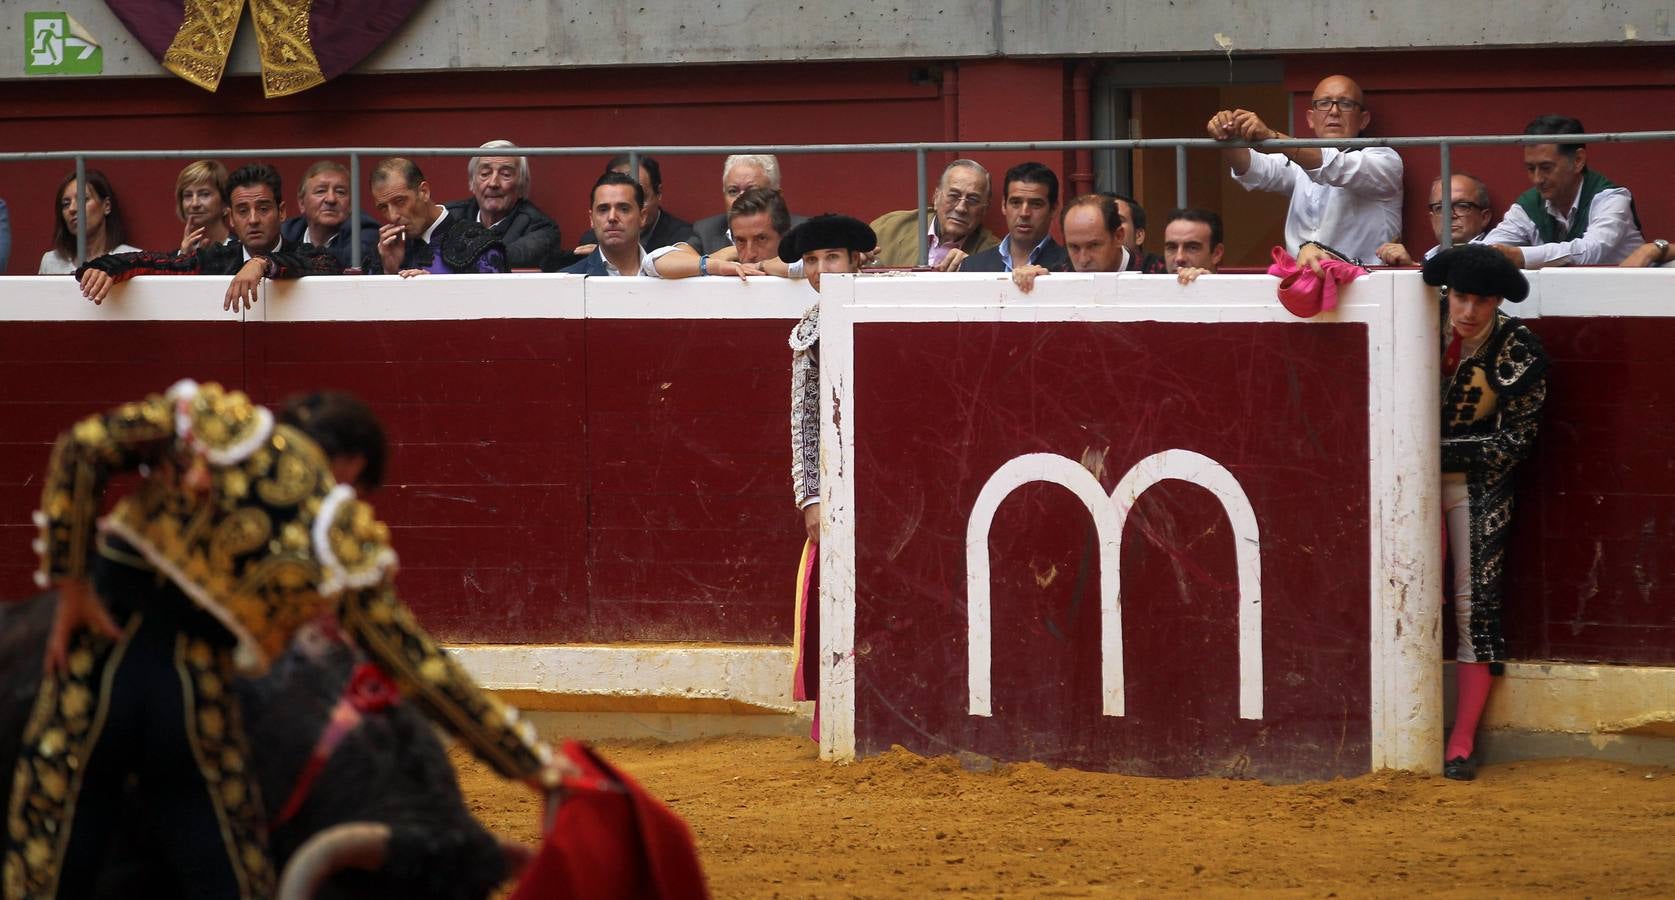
(516,853)
(351,845)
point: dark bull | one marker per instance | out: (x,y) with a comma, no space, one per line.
(392,769)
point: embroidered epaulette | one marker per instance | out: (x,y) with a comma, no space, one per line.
(1519,361)
(221,425)
(353,547)
(466,242)
(807,332)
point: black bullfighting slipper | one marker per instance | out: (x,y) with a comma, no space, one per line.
(1460,768)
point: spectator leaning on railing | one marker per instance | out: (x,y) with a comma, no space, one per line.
(1343,202)
(1467,215)
(1573,215)
(739,173)
(1192,243)
(1094,240)
(1031,193)
(259,252)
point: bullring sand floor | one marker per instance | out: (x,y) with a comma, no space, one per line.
(772,820)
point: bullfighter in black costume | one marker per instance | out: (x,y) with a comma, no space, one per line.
(237,535)
(1494,381)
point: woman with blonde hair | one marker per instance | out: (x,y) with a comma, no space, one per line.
(200,199)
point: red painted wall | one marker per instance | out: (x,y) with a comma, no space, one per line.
(1590,569)
(551,480)
(559,480)
(1244,395)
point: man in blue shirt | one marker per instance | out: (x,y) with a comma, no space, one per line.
(1032,199)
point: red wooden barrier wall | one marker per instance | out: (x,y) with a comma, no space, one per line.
(624,478)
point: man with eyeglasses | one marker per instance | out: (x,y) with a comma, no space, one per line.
(1344,203)
(955,217)
(1573,215)
(1468,216)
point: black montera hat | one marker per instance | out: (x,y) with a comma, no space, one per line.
(1477,269)
(825,233)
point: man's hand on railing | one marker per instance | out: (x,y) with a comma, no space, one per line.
(96,285)
(1394,254)
(1024,277)
(247,282)
(1516,254)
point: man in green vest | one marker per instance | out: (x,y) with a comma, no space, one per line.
(1573,216)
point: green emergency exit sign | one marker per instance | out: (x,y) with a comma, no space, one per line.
(57,46)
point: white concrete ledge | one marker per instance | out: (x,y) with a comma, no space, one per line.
(756,675)
(1579,698)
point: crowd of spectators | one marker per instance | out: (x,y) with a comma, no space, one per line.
(1344,204)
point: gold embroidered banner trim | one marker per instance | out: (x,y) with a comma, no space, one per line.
(200,49)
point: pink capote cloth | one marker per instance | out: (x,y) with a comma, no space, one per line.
(1304,293)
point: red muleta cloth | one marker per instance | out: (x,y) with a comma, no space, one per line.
(610,840)
(1304,293)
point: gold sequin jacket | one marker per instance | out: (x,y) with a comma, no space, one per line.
(244,517)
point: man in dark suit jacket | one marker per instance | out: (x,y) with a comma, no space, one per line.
(1032,198)
(499,201)
(423,236)
(323,219)
(662,228)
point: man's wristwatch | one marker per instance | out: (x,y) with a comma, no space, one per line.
(1663,249)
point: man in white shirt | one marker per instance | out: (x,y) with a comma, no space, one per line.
(1468,215)
(1573,215)
(1344,202)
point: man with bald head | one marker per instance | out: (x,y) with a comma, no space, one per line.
(955,222)
(1467,216)
(1344,203)
(1095,240)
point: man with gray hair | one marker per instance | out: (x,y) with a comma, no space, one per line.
(954,227)
(739,173)
(499,201)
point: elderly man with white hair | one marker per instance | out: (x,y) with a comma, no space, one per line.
(739,173)
(499,201)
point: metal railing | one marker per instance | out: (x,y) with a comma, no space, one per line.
(1444,144)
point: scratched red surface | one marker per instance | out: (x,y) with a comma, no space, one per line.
(550,480)
(1590,568)
(541,493)
(1283,407)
